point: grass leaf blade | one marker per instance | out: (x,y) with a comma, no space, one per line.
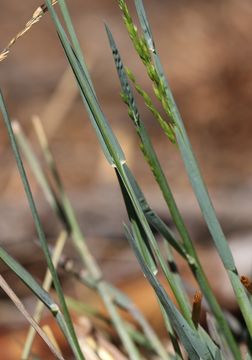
(76,348)
(193,344)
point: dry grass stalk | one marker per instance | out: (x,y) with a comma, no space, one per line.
(6,288)
(36,16)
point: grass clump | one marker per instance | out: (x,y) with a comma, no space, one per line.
(182,322)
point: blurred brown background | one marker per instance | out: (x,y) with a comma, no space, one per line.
(206,50)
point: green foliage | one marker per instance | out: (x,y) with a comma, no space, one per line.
(182,322)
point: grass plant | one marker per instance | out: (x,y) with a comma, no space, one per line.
(182,319)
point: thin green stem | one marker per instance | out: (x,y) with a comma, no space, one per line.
(72,223)
(155,166)
(74,342)
(171,333)
(81,246)
(117,159)
(164,95)
(127,179)
(60,242)
(6,288)
(195,177)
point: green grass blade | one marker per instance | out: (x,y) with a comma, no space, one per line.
(178,281)
(121,327)
(60,243)
(94,272)
(172,335)
(138,236)
(178,291)
(38,226)
(7,289)
(181,135)
(217,337)
(189,337)
(126,185)
(146,340)
(78,238)
(138,230)
(121,170)
(205,204)
(123,301)
(189,253)
(38,172)
(146,144)
(215,228)
(27,278)
(74,39)
(40,293)
(108,138)
(188,157)
(154,219)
